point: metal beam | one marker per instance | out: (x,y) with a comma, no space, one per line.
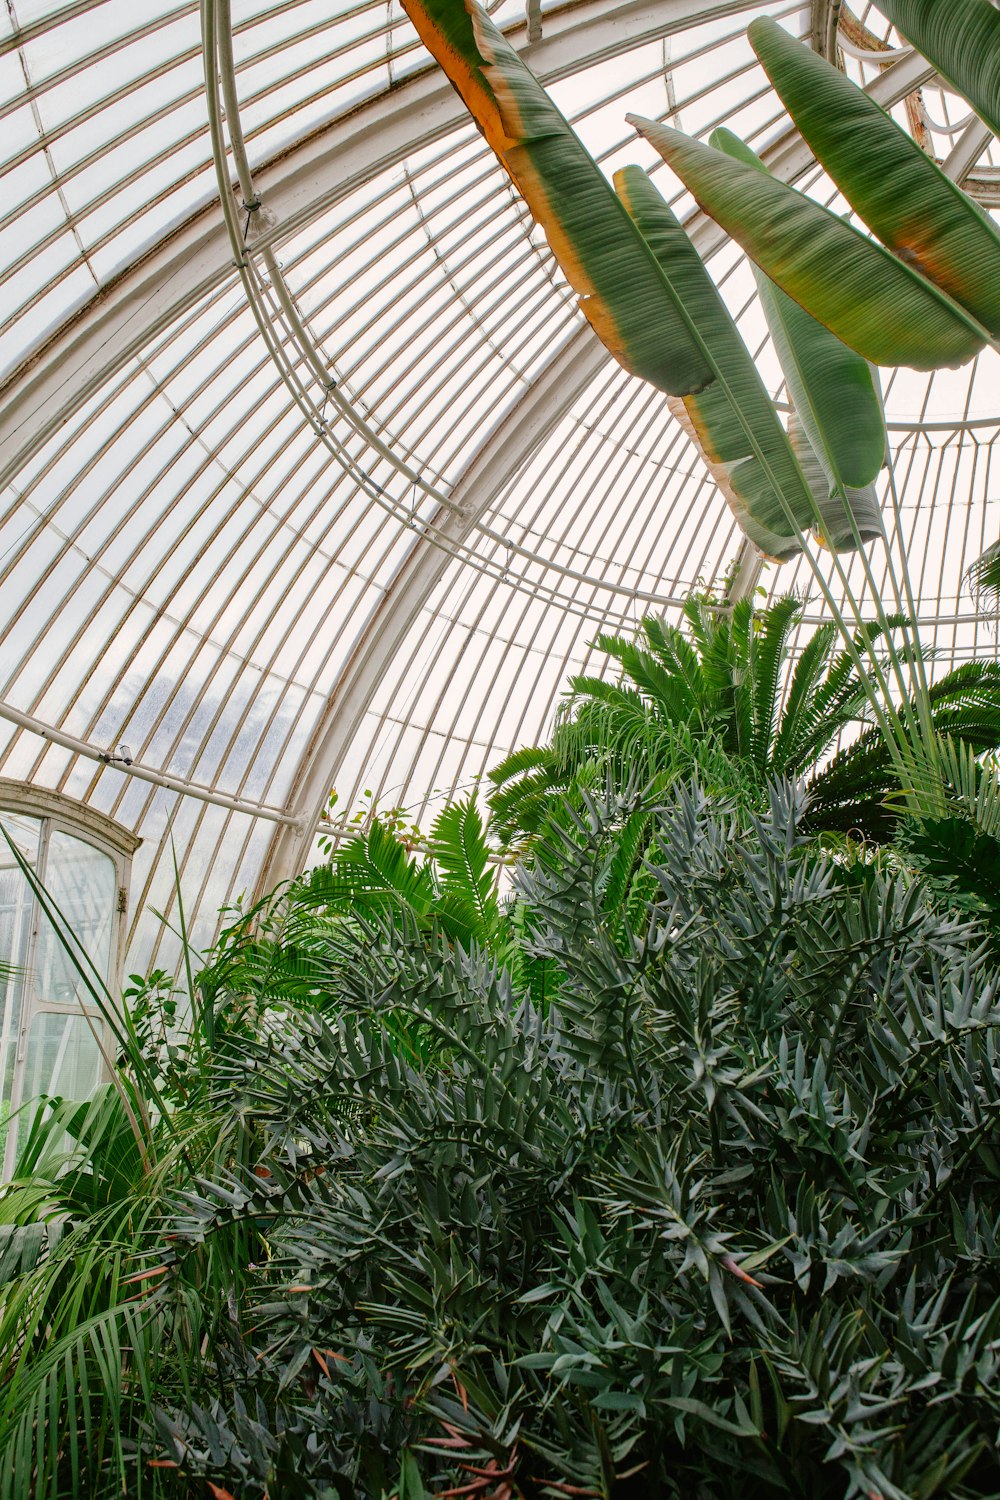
(120,320)
(967,150)
(517,437)
(825,19)
(195,260)
(520,434)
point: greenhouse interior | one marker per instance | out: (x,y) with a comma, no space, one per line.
(500,749)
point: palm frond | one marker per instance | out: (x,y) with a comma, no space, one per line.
(767,651)
(467,874)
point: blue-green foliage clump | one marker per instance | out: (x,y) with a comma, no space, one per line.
(717,1207)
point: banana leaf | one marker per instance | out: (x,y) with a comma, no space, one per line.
(760,486)
(875,303)
(622,291)
(838,434)
(898,190)
(835,530)
(962,39)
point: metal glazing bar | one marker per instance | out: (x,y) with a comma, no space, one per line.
(144,773)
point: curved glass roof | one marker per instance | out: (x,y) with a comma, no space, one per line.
(325,481)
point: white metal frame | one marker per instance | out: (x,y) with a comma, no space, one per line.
(571,370)
(461,522)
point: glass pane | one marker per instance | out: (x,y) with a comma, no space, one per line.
(62,1058)
(81,882)
(15,934)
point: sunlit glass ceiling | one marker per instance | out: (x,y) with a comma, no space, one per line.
(335,488)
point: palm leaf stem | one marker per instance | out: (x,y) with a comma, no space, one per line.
(914,693)
(883,708)
(839,490)
(918,668)
(899,742)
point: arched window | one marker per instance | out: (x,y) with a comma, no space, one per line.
(50,1030)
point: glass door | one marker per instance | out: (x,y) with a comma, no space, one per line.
(52,1036)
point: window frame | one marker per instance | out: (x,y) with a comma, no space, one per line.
(58,813)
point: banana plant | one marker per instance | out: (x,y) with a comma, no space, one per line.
(623,292)
(631,262)
(640,282)
(761,480)
(929,294)
(876,303)
(837,428)
(899,191)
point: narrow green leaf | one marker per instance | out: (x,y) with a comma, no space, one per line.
(878,305)
(900,192)
(622,291)
(962,39)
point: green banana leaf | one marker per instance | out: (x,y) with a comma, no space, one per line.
(962,39)
(839,434)
(835,530)
(622,291)
(875,303)
(754,483)
(899,191)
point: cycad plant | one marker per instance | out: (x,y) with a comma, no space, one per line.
(725,694)
(715,1213)
(720,1218)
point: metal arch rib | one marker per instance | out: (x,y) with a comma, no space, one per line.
(825,18)
(194,260)
(498,461)
(100,338)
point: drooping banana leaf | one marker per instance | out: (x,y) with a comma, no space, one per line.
(839,432)
(878,305)
(717,419)
(622,291)
(899,191)
(962,39)
(835,530)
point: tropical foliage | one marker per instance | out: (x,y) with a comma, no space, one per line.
(717,1212)
(643,1143)
(722,694)
(642,283)
(927,295)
